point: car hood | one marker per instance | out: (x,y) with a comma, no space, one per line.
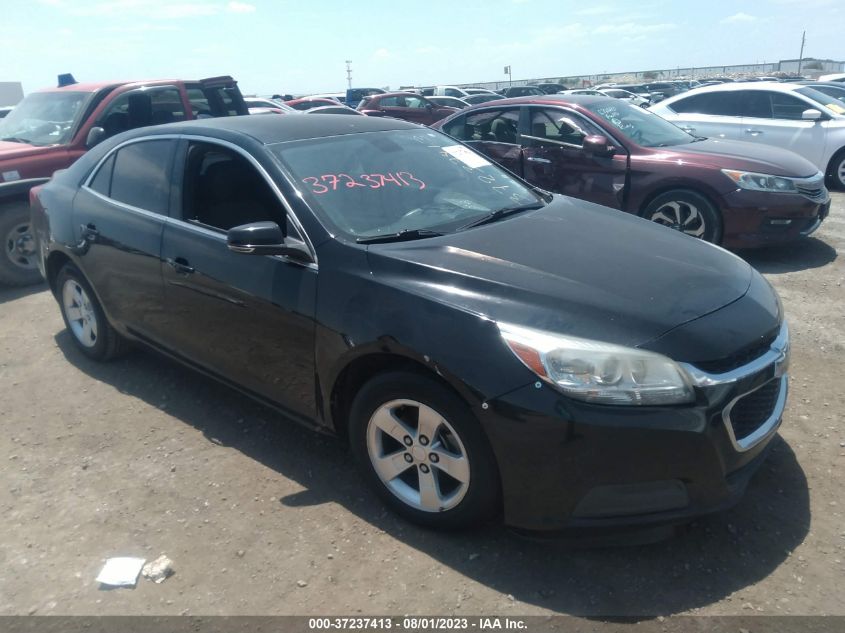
(16,151)
(571,267)
(766,159)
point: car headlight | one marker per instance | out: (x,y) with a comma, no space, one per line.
(599,372)
(760,182)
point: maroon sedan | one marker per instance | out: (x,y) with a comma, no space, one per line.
(612,153)
(405,105)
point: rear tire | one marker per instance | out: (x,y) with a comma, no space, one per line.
(836,170)
(688,212)
(17,260)
(84,317)
(422,451)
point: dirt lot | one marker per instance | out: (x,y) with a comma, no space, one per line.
(142,457)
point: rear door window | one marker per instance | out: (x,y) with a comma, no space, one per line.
(141,175)
(207,102)
(713,103)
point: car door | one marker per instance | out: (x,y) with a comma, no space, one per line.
(711,114)
(554,158)
(492,131)
(247,318)
(774,118)
(119,214)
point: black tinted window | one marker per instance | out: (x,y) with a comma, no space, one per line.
(757,104)
(141,176)
(102,181)
(715,103)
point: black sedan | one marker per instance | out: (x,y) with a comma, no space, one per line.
(484,346)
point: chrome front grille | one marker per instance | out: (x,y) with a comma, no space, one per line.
(755,414)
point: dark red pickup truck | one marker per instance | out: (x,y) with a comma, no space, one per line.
(51,128)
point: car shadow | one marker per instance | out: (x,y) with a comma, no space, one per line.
(710,560)
(795,256)
(12,293)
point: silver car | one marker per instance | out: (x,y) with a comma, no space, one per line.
(794,117)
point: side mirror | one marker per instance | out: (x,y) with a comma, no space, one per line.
(811,115)
(266,238)
(95,135)
(598,145)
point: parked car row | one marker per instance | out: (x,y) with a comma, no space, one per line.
(609,152)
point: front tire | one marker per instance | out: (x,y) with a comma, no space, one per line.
(84,317)
(421,449)
(18,265)
(836,171)
(688,212)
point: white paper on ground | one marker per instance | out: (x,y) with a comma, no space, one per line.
(121,571)
(466,156)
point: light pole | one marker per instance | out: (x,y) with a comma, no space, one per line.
(349,73)
(510,76)
(801,55)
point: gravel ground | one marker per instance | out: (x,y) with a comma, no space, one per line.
(142,457)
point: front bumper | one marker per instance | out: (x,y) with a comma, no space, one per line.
(568,464)
(754,219)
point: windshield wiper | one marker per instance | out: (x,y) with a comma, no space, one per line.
(16,139)
(498,214)
(699,138)
(401,236)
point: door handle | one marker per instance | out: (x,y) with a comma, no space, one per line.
(89,232)
(535,159)
(753,132)
(180,265)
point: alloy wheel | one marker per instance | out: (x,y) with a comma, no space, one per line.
(840,172)
(20,246)
(681,216)
(80,314)
(418,455)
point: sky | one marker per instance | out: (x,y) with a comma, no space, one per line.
(300,47)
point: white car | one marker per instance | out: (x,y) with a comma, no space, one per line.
(833,77)
(791,116)
(630,97)
(450,91)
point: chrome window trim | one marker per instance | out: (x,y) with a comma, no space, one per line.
(767,428)
(777,355)
(211,140)
(128,207)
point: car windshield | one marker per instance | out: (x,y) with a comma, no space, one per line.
(43,118)
(642,127)
(384,183)
(831,103)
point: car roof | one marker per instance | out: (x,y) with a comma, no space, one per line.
(744,85)
(400,93)
(94,86)
(277,129)
(557,99)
